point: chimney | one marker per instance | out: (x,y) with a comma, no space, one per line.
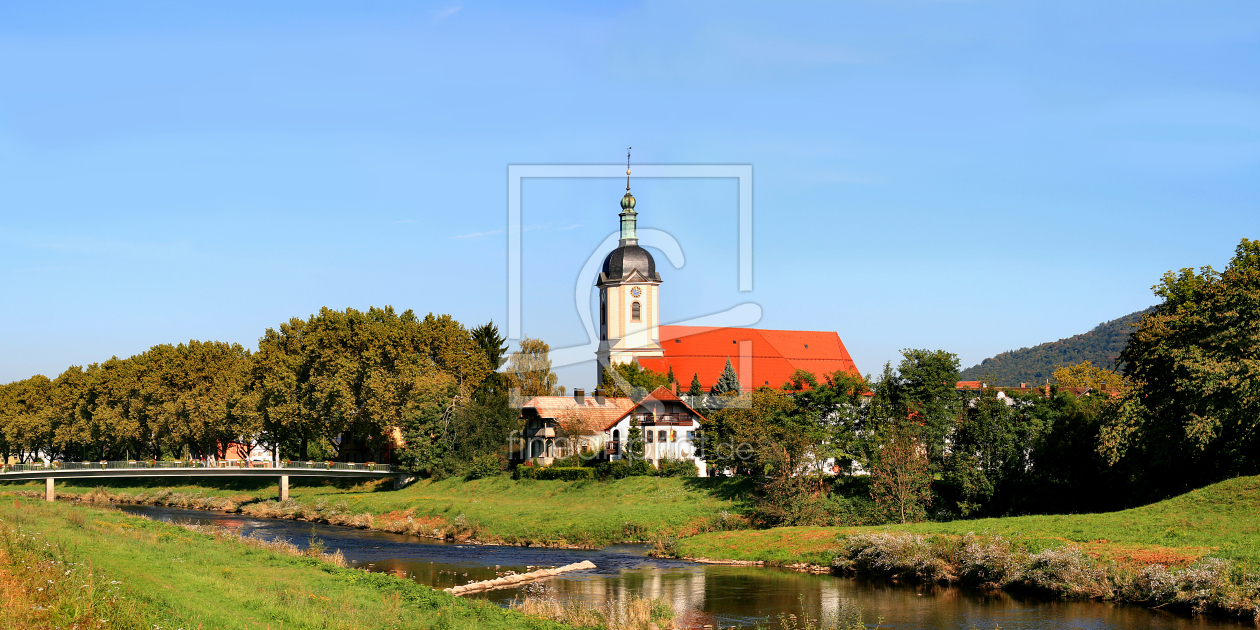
(674,386)
(579,395)
(1023,385)
(599,396)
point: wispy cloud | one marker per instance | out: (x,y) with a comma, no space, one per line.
(570,227)
(445,13)
(478,234)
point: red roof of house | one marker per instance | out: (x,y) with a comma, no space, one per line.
(770,355)
(592,416)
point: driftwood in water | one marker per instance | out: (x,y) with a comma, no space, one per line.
(510,581)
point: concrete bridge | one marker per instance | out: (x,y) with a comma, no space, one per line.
(50,473)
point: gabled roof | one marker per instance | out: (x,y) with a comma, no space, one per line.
(773,354)
(589,416)
(592,416)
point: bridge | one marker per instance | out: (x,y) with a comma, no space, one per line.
(51,472)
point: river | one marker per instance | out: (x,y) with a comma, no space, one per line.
(704,594)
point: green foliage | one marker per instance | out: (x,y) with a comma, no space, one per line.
(529,370)
(483,466)
(566,473)
(677,468)
(622,468)
(629,380)
(1192,415)
(727,383)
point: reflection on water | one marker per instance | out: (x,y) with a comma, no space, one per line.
(704,594)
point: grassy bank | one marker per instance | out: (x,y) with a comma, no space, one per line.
(1222,520)
(495,510)
(62,565)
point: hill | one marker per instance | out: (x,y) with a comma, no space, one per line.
(1035,365)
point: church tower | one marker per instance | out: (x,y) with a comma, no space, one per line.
(629,322)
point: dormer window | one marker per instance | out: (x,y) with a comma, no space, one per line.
(635,312)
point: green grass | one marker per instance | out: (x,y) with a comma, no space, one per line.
(500,510)
(1221,519)
(141,573)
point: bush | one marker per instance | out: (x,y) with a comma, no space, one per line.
(678,468)
(526,472)
(566,474)
(483,466)
(620,469)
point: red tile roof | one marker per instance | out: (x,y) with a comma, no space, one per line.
(773,354)
(591,416)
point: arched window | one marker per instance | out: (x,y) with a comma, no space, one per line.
(634,311)
(616,435)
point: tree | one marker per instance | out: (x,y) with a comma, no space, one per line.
(1084,374)
(630,380)
(529,370)
(695,393)
(901,480)
(1192,412)
(925,387)
(727,383)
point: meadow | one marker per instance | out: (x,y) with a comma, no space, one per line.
(492,510)
(65,566)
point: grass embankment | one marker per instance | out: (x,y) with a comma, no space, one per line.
(498,510)
(1222,520)
(75,566)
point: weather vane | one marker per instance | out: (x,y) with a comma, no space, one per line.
(628,168)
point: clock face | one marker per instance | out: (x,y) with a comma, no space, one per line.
(636,292)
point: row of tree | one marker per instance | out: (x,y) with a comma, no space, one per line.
(337,385)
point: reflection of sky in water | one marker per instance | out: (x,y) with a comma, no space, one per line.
(705,594)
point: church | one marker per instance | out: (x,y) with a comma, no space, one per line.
(630,330)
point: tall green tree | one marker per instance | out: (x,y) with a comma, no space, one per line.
(1192,414)
(727,383)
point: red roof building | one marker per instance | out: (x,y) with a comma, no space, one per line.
(760,357)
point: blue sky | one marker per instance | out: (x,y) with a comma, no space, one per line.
(971,176)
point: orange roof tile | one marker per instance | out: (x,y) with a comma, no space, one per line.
(772,354)
(589,416)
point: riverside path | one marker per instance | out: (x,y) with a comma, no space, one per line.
(50,472)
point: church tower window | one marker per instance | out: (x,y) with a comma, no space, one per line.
(634,312)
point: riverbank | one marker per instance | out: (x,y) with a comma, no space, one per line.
(1198,552)
(62,565)
(1221,520)
(500,510)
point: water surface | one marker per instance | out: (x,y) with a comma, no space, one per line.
(704,594)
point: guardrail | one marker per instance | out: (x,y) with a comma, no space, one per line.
(193,464)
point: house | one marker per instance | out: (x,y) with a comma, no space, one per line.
(599,427)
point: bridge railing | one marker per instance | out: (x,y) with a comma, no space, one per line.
(106,465)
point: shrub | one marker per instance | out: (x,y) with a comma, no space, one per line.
(525,472)
(483,466)
(621,468)
(677,468)
(566,474)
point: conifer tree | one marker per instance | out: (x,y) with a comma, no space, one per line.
(670,376)
(728,382)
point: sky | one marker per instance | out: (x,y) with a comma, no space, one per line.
(970,176)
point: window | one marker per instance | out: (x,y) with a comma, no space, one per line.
(634,311)
(649,436)
(616,435)
(691,436)
(660,436)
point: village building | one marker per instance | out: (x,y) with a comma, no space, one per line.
(598,427)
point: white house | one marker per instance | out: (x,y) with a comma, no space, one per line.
(599,427)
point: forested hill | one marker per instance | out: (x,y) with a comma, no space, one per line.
(1035,365)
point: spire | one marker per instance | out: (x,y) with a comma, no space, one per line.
(628,232)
